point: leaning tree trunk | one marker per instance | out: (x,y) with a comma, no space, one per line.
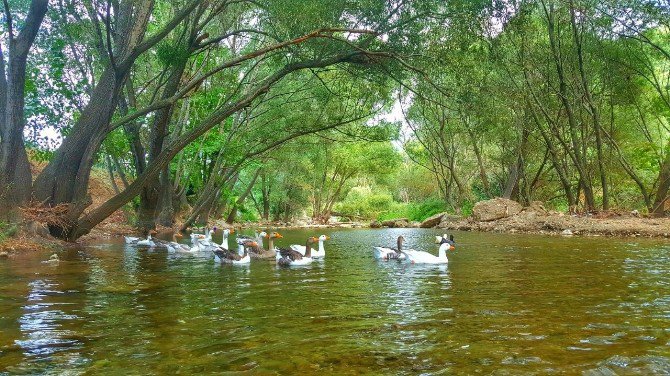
(15,175)
(65,179)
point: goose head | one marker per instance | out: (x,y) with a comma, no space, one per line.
(449,240)
(324,238)
(262,234)
(176,237)
(275,235)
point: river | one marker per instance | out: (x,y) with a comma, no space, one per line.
(505,304)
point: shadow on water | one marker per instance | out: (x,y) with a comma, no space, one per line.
(509,304)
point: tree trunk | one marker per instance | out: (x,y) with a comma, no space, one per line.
(132,130)
(151,194)
(84,224)
(663,191)
(167,199)
(233,213)
(110,171)
(575,152)
(512,186)
(265,190)
(65,179)
(15,175)
(480,161)
(595,114)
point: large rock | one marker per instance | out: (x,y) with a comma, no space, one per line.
(536,207)
(396,223)
(497,208)
(448,220)
(375,224)
(433,220)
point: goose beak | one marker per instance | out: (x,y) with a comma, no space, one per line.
(278,235)
(452,248)
(232,230)
(327,237)
(178,235)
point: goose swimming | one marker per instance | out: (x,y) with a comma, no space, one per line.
(318,253)
(290,257)
(422,257)
(225,256)
(385,253)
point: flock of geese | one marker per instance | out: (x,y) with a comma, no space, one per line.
(253,248)
(247,247)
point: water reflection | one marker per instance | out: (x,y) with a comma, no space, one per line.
(504,305)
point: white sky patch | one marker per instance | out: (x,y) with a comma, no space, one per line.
(395,115)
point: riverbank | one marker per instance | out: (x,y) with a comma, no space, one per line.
(562,224)
(531,220)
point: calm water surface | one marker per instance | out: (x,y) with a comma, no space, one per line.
(506,304)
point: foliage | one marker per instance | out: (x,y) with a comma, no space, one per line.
(242,108)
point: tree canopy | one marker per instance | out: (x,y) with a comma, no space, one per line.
(366,109)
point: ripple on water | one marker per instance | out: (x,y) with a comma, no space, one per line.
(509,305)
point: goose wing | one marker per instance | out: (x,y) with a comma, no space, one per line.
(225,254)
(289,253)
(257,249)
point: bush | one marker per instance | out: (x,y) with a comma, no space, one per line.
(364,202)
(422,210)
(414,211)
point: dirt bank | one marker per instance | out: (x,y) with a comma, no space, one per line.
(559,223)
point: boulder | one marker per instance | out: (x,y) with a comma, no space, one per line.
(375,224)
(433,220)
(498,208)
(398,222)
(402,224)
(536,207)
(447,219)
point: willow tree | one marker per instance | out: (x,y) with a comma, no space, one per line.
(275,40)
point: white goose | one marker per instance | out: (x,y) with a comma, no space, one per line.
(422,257)
(385,253)
(198,239)
(224,241)
(148,242)
(131,239)
(175,246)
(319,253)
